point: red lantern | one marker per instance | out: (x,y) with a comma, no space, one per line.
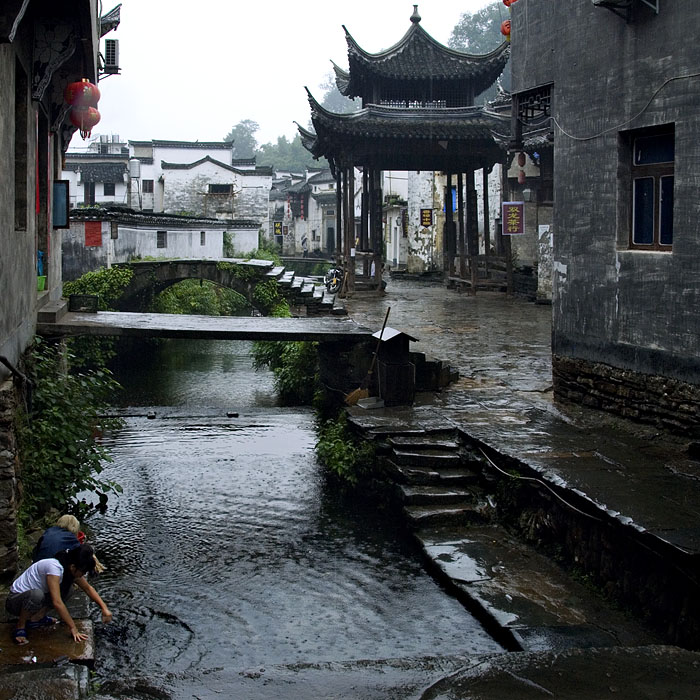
(521,159)
(505,28)
(508,3)
(84,118)
(521,177)
(82,94)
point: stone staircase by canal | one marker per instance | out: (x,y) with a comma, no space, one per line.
(307,293)
(449,496)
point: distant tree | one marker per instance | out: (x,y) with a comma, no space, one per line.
(333,100)
(479,33)
(288,155)
(243,137)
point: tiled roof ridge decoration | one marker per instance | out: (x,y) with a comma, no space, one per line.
(417,55)
(400,114)
(258,170)
(228,145)
(128,215)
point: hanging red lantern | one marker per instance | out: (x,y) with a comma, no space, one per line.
(508,3)
(521,177)
(505,28)
(84,118)
(82,94)
(521,159)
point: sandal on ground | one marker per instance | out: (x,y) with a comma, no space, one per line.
(45,621)
(20,636)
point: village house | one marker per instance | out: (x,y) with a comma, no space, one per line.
(101,236)
(198,179)
(43,48)
(623,119)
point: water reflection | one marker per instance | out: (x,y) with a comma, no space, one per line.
(228,550)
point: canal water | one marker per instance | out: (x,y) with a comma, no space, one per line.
(228,550)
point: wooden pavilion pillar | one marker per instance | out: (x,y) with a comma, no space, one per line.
(350,229)
(487,219)
(376,232)
(460,220)
(448,237)
(365,217)
(472,229)
(338,252)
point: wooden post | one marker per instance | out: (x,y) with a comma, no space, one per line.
(350,269)
(447,246)
(487,218)
(378,230)
(460,219)
(338,252)
(366,205)
(472,230)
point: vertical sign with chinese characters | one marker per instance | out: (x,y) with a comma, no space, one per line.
(426,217)
(513,214)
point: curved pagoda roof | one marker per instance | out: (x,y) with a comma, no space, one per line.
(417,58)
(405,139)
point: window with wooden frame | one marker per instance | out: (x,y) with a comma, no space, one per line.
(652,181)
(108,189)
(162,239)
(147,186)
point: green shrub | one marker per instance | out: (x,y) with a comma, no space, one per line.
(199,297)
(294,366)
(58,434)
(108,284)
(346,456)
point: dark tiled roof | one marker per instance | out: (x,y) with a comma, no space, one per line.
(99,172)
(227,145)
(328,197)
(374,121)
(419,57)
(396,138)
(110,21)
(125,215)
(259,170)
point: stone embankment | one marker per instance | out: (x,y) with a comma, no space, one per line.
(455,501)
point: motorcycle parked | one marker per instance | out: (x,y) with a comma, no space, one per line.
(333,279)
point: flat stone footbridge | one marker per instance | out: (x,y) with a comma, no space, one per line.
(154,276)
(55,321)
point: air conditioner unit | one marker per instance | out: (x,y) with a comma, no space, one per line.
(111,57)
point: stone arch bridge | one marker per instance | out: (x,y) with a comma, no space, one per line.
(152,277)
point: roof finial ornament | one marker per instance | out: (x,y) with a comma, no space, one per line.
(415,17)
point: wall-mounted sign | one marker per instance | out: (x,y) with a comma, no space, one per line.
(513,214)
(426,217)
(60,206)
(278,228)
(93,234)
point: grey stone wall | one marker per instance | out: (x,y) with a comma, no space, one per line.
(668,403)
(636,311)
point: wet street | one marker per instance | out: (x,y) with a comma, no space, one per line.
(228,552)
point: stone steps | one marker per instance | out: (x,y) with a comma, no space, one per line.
(302,291)
(427,457)
(428,494)
(459,514)
(525,599)
(423,441)
(523,596)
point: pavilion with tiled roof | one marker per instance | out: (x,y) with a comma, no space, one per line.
(417,113)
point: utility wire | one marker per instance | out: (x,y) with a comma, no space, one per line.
(631,119)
